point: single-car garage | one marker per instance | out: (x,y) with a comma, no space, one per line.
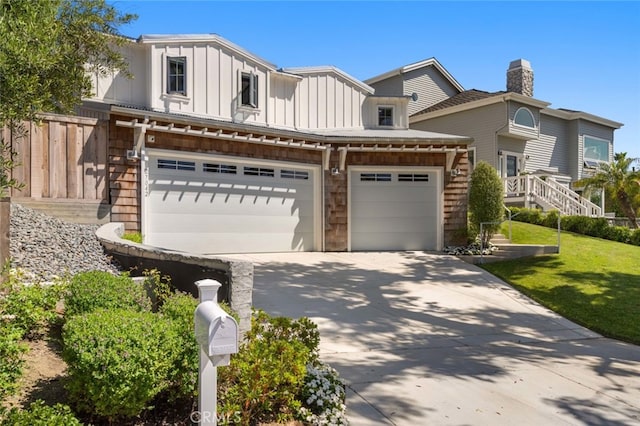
(395,208)
(221,204)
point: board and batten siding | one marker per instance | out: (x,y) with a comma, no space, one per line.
(282,101)
(430,86)
(551,151)
(212,82)
(327,101)
(116,87)
(479,123)
(63,157)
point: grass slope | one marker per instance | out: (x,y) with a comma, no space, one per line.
(592,282)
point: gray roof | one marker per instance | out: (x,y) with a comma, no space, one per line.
(459,99)
(389,135)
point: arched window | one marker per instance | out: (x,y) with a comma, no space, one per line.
(524,117)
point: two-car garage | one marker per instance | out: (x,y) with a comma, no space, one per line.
(205,203)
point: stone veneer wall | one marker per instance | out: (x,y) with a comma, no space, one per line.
(520,78)
(238,274)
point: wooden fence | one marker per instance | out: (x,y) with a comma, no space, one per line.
(61,158)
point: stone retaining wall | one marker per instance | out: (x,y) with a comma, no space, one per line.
(236,276)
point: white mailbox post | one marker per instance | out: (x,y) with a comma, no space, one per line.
(217,335)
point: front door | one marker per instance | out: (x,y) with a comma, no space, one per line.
(512,165)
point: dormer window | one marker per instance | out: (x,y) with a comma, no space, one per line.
(524,117)
(177,75)
(385,116)
(249,90)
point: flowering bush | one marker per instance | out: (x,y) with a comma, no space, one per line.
(323,395)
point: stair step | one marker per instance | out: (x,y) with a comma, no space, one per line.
(75,211)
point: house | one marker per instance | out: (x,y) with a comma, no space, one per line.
(212,149)
(538,150)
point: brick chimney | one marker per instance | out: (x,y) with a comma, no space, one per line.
(520,77)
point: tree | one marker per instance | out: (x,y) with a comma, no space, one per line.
(619,178)
(46,49)
(486,197)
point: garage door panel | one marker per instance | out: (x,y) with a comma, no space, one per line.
(232,243)
(241,224)
(386,195)
(387,210)
(394,212)
(218,204)
(393,240)
(207,212)
(392,224)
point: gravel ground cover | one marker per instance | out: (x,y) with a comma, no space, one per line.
(48,247)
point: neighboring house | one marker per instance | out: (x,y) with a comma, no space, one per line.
(514,132)
(212,149)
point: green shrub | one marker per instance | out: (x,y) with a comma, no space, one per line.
(550,220)
(533,216)
(33,306)
(620,234)
(597,227)
(266,377)
(158,286)
(118,360)
(11,358)
(635,237)
(179,309)
(135,237)
(485,201)
(577,224)
(92,290)
(39,414)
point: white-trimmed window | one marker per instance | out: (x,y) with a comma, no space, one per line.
(595,149)
(385,116)
(177,75)
(524,117)
(249,89)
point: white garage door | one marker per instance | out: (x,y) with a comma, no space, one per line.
(394,209)
(219,204)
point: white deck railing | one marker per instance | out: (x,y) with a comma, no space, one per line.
(549,195)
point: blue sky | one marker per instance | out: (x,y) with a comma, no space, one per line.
(585,55)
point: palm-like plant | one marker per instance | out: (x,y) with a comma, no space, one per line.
(620,178)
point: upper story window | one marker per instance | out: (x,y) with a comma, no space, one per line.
(596,149)
(177,75)
(524,117)
(385,116)
(249,90)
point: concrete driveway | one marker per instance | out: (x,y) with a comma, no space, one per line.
(426,339)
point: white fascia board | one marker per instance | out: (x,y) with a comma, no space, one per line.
(417,65)
(281,73)
(329,69)
(204,38)
(479,103)
(575,115)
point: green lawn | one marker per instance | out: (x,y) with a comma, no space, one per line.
(593,282)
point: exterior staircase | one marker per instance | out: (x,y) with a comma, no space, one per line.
(530,191)
(507,251)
